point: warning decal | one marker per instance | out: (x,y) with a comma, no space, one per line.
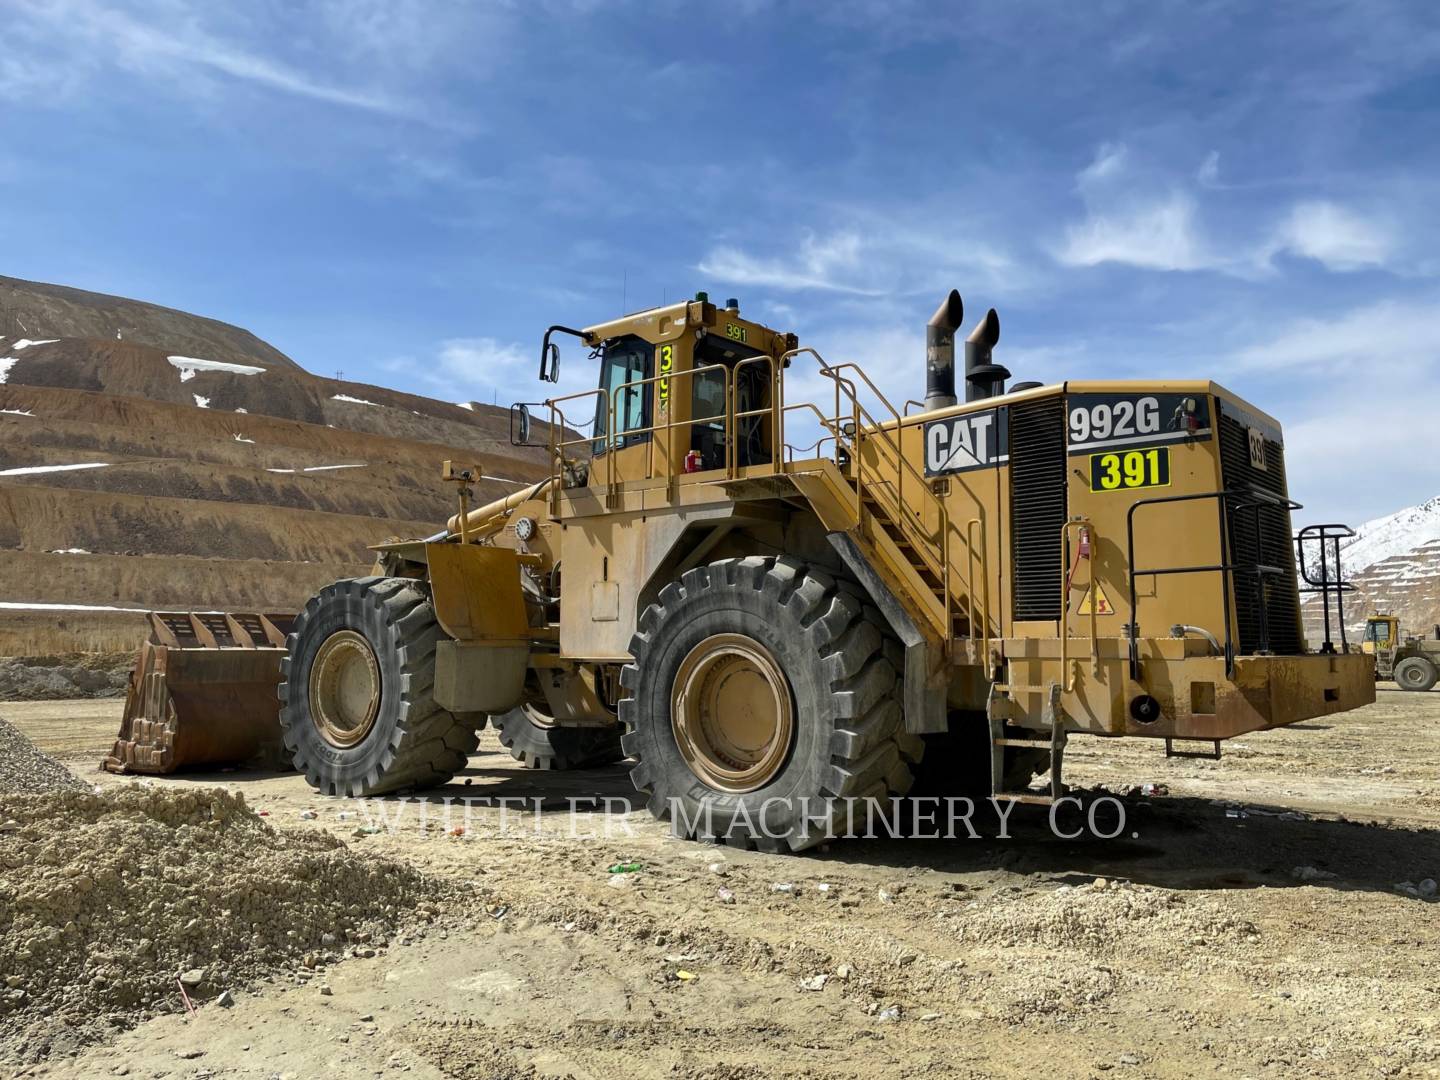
(1104,602)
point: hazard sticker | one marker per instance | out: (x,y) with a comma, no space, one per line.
(1103,602)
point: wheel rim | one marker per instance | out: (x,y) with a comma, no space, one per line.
(732,713)
(344,689)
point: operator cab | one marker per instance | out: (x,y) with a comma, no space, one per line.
(689,387)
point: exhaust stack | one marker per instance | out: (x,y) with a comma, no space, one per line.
(984,379)
(940,352)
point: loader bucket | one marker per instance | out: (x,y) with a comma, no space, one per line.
(202,693)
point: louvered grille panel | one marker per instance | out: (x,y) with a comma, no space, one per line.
(1273,546)
(1037,506)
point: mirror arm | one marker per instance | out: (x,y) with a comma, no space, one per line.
(550,362)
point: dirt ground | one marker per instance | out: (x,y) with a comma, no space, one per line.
(1245,922)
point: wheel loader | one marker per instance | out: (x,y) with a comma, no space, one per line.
(777,603)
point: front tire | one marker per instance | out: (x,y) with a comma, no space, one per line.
(759,700)
(357,706)
(1415,673)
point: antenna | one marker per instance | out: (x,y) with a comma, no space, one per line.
(625,289)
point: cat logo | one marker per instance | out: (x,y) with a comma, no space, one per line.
(1103,602)
(957,444)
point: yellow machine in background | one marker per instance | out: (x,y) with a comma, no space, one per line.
(1413,662)
(786,604)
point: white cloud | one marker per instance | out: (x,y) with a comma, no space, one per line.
(1335,236)
(825,263)
(1156,235)
(1390,341)
(85,36)
(1136,218)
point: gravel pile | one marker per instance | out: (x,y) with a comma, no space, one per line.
(107,900)
(1105,918)
(25,770)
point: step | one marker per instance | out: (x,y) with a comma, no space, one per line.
(1029,797)
(1033,744)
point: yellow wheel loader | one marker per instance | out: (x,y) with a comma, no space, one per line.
(783,602)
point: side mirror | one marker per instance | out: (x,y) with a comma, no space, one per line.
(550,363)
(520,425)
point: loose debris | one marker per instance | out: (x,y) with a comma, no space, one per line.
(121,906)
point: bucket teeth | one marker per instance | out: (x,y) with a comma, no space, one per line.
(202,692)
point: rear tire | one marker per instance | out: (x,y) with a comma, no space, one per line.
(363,721)
(787,705)
(1415,673)
(533,739)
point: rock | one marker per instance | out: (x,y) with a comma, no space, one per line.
(889,1014)
(783,887)
(929,1016)
(226,999)
(815,982)
(885,896)
(1128,1059)
(190,1055)
(619,881)
(366,1018)
(192,978)
(719,868)
(1408,888)
(325,990)
(725,895)
(843,972)
(1310,873)
(1427,888)
(906,959)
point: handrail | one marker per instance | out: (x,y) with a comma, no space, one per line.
(1333,532)
(672,423)
(1224,568)
(853,428)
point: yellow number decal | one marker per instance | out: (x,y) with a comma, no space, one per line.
(735,332)
(667,361)
(1128,469)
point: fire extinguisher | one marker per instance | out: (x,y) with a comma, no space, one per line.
(692,461)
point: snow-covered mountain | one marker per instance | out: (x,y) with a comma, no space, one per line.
(1394,564)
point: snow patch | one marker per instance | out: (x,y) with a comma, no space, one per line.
(31,470)
(1395,534)
(11,605)
(242,438)
(17,412)
(189,365)
(68,551)
(318,468)
(242,410)
(203,402)
(6,363)
(25,343)
(468,405)
(353,400)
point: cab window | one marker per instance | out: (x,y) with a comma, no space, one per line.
(623,360)
(1378,631)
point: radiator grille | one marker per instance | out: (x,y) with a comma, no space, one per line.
(1272,548)
(1037,506)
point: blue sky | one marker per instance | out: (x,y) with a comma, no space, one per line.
(409,192)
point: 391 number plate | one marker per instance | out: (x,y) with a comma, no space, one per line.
(1124,470)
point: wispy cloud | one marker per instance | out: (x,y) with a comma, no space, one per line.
(1390,341)
(827,263)
(1136,218)
(1335,236)
(88,34)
